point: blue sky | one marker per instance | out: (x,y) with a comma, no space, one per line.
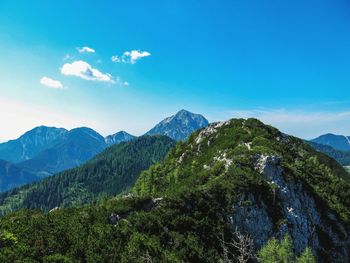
(285,62)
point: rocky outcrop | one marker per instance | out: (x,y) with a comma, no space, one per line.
(301,217)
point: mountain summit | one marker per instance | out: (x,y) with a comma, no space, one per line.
(259,181)
(118,137)
(338,142)
(78,146)
(31,143)
(180,125)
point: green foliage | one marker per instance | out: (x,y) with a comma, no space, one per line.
(282,252)
(112,172)
(57,258)
(277,252)
(196,185)
(343,157)
(306,257)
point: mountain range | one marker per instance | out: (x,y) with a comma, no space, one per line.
(44,151)
(107,174)
(342,157)
(338,142)
(237,189)
(31,143)
(335,146)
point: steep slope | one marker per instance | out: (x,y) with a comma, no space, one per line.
(342,157)
(275,184)
(180,125)
(78,146)
(31,143)
(12,176)
(232,179)
(338,142)
(109,173)
(119,137)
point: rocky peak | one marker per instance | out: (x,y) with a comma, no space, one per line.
(119,137)
(180,125)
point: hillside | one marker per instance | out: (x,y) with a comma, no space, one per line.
(107,174)
(342,157)
(78,146)
(31,143)
(11,175)
(221,195)
(274,183)
(338,142)
(180,125)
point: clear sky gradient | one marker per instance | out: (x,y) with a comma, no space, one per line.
(284,62)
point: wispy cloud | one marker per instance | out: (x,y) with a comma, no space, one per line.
(131,56)
(302,123)
(51,83)
(83,70)
(85,49)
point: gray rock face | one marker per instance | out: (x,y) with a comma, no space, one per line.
(180,125)
(119,137)
(301,217)
(252,217)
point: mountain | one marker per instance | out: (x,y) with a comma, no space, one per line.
(12,175)
(119,137)
(113,171)
(338,142)
(258,181)
(31,143)
(342,157)
(232,192)
(180,125)
(78,146)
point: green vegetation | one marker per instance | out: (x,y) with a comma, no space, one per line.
(342,157)
(112,172)
(181,207)
(323,176)
(282,252)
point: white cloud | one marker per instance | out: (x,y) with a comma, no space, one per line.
(85,50)
(51,83)
(126,83)
(301,123)
(83,70)
(131,56)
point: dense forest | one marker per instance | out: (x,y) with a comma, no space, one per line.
(109,173)
(238,191)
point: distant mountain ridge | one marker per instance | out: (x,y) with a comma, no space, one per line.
(119,137)
(180,125)
(342,157)
(45,151)
(338,142)
(31,143)
(109,173)
(79,145)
